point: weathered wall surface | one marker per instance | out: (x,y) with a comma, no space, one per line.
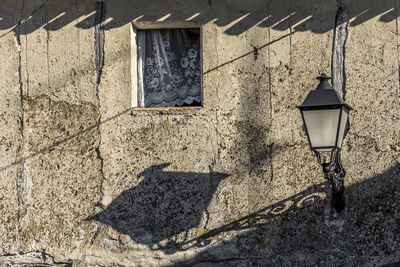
(85,179)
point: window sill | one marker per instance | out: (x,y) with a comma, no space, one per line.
(167,110)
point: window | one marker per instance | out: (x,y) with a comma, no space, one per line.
(166,64)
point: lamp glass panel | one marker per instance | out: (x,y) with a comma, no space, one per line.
(343,121)
(322,126)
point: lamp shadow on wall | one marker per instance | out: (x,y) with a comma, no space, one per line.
(238,17)
(299,225)
(165,205)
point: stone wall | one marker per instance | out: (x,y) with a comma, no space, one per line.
(86,180)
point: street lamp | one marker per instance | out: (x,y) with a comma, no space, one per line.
(325,117)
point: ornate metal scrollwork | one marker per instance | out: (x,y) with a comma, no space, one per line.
(334,174)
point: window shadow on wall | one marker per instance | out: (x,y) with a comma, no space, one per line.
(164,206)
(236,16)
(297,230)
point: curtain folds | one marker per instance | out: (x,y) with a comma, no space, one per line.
(169,67)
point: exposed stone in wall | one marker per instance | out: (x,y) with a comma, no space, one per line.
(60,173)
(31,259)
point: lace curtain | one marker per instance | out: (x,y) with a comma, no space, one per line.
(169,67)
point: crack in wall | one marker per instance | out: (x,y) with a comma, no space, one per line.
(339,50)
(99,40)
(99,62)
(217,123)
(290,37)
(99,157)
(20,174)
(271,158)
(78,43)
(26,66)
(48,58)
(19,71)
(269,74)
(20,80)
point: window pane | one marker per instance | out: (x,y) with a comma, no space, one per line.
(322,126)
(343,122)
(169,67)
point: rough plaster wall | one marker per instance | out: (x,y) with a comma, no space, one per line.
(86,179)
(10,139)
(53,163)
(377,109)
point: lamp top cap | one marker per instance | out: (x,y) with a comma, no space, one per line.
(323,82)
(323,76)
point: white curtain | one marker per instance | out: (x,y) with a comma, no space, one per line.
(169,67)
